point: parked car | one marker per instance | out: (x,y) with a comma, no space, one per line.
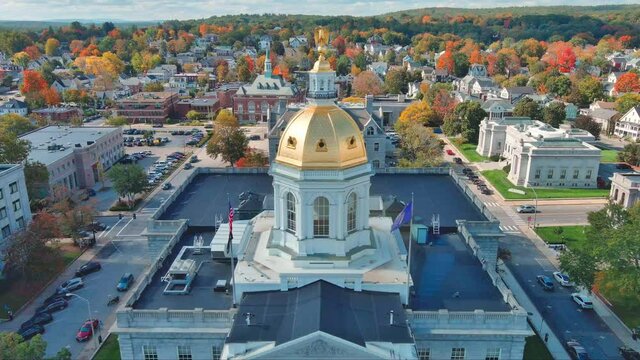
(194,158)
(88,268)
(576,351)
(526,209)
(52,307)
(457,160)
(486,191)
(157,125)
(37,319)
(582,300)
(96,226)
(70,285)
(87,329)
(28,333)
(56,297)
(188,166)
(254,137)
(450,152)
(545,282)
(562,279)
(125,282)
(628,353)
(91,192)
(166,186)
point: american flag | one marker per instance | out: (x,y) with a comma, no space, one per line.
(230,229)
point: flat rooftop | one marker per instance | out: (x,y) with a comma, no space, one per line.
(202,294)
(148,97)
(67,137)
(206,196)
(446,275)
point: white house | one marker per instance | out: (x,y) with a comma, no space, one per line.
(379,67)
(629,124)
(625,189)
(14,106)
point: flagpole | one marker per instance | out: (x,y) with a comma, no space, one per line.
(233,273)
(409,254)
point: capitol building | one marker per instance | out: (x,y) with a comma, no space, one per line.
(317,275)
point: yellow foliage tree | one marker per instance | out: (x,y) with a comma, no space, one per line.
(418,112)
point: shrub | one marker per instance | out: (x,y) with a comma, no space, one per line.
(494,157)
(507,168)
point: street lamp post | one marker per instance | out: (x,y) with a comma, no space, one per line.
(93,330)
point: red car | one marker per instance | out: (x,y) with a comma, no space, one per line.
(86,330)
(450,152)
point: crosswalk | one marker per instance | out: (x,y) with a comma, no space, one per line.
(492,204)
(509,229)
(514,216)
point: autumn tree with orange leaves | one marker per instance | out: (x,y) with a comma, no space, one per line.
(560,55)
(36,90)
(445,61)
(627,83)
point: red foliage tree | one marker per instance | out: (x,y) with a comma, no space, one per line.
(627,83)
(33,51)
(476,57)
(91,50)
(340,44)
(33,82)
(51,96)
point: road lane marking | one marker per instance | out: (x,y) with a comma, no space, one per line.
(111,229)
(124,227)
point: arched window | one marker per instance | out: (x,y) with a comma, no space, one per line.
(291,212)
(351,212)
(321,217)
(252,107)
(370,130)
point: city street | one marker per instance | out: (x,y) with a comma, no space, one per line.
(120,249)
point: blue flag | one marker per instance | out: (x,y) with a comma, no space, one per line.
(404,216)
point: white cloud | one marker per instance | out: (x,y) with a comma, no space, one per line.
(190,9)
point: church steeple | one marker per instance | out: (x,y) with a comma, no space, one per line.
(267,65)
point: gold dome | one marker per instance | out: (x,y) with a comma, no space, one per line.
(322,65)
(322,137)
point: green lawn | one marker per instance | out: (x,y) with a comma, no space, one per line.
(627,308)
(498,179)
(534,349)
(570,235)
(469,151)
(110,350)
(17,292)
(609,156)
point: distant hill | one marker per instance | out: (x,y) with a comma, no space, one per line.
(38,25)
(519,11)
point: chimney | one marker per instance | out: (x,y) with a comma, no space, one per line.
(391,317)
(368,102)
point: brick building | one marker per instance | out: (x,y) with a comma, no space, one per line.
(251,103)
(207,106)
(59,114)
(148,107)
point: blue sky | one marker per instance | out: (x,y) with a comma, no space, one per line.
(190,9)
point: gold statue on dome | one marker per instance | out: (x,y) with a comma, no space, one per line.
(321,36)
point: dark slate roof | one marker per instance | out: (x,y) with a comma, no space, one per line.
(357,317)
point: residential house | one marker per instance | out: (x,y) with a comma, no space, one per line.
(265,42)
(476,83)
(133,84)
(497,108)
(379,68)
(629,124)
(513,94)
(609,105)
(540,99)
(163,72)
(14,106)
(297,41)
(605,117)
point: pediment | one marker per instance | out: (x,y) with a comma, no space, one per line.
(317,346)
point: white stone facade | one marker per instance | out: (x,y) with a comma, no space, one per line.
(625,189)
(539,154)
